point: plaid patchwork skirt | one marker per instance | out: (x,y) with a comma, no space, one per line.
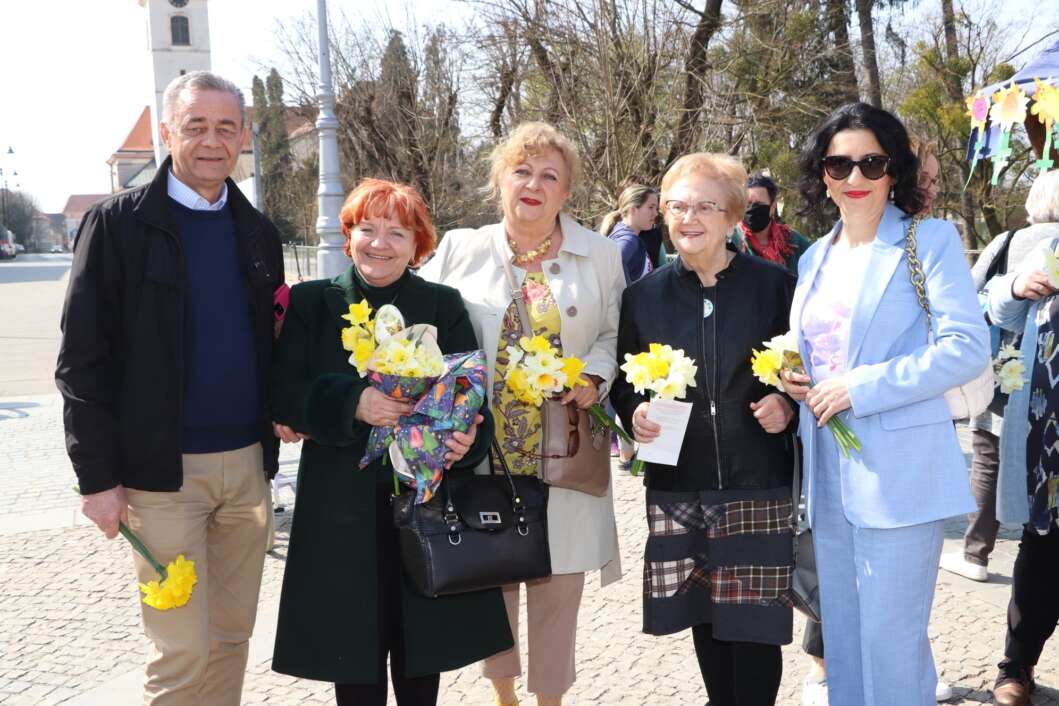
(722,557)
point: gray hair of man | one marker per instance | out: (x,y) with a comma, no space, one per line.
(198,81)
(1042,204)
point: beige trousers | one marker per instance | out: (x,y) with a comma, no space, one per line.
(218,519)
(551,616)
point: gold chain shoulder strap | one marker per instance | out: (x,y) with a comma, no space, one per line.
(915,271)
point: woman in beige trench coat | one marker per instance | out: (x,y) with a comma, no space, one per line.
(572,280)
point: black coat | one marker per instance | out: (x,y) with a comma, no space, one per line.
(329,608)
(122,360)
(752,301)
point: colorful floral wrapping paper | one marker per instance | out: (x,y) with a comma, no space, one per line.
(442,406)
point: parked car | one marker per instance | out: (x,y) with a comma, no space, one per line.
(20,248)
(57,248)
(7,245)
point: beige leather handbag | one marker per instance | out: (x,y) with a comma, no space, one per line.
(575,451)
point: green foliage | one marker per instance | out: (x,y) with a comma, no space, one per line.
(1000,72)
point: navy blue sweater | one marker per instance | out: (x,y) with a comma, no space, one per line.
(634,256)
(221,403)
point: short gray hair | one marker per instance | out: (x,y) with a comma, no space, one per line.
(199,81)
(1042,205)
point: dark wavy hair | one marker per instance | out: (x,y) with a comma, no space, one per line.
(892,137)
(762,181)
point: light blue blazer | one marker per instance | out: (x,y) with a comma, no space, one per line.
(911,469)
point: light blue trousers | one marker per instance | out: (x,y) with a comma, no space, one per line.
(876,589)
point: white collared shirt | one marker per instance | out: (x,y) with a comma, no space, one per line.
(189,198)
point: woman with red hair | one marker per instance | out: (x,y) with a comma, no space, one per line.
(346,605)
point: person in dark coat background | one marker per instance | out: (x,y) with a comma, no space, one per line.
(346,603)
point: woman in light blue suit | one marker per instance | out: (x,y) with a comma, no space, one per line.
(877,514)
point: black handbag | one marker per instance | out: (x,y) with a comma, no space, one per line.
(477,532)
(805,584)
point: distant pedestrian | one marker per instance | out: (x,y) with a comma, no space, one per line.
(636,213)
(760,232)
(166,347)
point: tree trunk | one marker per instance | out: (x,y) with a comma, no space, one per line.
(952,51)
(867,43)
(694,74)
(953,87)
(843,69)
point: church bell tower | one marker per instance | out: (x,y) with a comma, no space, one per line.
(178,40)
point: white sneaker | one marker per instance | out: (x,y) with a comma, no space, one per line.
(814,693)
(942,692)
(956,563)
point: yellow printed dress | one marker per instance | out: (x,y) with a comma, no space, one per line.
(518,425)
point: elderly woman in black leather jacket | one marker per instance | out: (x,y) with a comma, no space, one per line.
(719,553)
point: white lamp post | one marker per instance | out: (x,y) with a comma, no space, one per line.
(330,260)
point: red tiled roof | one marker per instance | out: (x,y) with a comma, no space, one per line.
(77,204)
(139,139)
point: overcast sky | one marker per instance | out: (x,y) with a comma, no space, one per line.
(74,74)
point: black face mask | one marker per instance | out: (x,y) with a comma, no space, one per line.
(758,216)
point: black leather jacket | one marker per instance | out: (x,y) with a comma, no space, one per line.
(725,447)
(121,364)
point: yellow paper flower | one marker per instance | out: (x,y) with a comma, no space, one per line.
(978,110)
(359,313)
(766,366)
(1046,104)
(175,590)
(1009,106)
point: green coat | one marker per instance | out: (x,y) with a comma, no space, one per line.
(328,608)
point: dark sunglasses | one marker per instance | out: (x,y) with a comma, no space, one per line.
(872,167)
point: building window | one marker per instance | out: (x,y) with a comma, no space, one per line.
(178,27)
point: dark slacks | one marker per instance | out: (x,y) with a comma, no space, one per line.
(980,537)
(737,673)
(1034,607)
(410,691)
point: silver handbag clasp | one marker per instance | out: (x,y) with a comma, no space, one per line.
(490,518)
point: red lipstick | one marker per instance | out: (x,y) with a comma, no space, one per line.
(858,194)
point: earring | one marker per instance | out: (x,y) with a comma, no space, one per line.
(891,193)
(829,193)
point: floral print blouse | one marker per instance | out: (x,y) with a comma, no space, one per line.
(518,425)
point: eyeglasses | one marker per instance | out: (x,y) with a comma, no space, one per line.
(706,208)
(872,167)
(925,182)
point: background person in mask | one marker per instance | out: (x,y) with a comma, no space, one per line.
(759,233)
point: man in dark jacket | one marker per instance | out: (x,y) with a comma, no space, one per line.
(166,348)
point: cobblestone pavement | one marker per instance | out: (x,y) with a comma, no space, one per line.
(70,626)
